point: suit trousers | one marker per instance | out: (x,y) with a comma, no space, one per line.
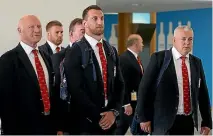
(183,125)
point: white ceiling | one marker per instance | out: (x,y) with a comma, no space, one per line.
(115,6)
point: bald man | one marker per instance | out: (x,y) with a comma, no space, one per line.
(132,71)
(26,84)
(172,107)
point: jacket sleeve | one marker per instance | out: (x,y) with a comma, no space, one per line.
(118,86)
(146,92)
(75,83)
(204,102)
(6,79)
(126,73)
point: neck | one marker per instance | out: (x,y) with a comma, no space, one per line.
(31,44)
(72,40)
(134,50)
(97,37)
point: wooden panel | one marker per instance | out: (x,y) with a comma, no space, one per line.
(124,30)
(153,41)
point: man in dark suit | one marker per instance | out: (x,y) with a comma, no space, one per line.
(132,71)
(54,31)
(172,107)
(97,89)
(76,32)
(26,84)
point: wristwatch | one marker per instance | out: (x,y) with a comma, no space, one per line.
(115,112)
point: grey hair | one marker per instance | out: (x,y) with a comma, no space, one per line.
(131,41)
(184,27)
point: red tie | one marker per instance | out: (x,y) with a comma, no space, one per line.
(186,92)
(57,49)
(139,62)
(104,67)
(42,82)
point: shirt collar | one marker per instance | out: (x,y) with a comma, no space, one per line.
(135,54)
(176,54)
(70,44)
(27,48)
(53,46)
(93,42)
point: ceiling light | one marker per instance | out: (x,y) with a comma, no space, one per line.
(135,4)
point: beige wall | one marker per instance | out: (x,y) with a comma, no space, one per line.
(46,10)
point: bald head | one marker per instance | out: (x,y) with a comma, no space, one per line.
(30,31)
(183,39)
(135,42)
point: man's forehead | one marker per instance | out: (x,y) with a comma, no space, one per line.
(94,12)
(183,32)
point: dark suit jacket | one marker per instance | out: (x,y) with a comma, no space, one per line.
(47,49)
(132,75)
(21,106)
(87,95)
(61,106)
(56,61)
(160,105)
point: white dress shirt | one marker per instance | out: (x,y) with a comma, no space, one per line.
(135,54)
(178,68)
(53,47)
(93,42)
(28,50)
(70,44)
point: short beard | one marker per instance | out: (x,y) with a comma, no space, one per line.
(97,32)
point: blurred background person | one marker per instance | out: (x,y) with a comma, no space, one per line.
(65,124)
(132,71)
(54,30)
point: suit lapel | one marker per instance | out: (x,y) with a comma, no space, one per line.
(171,69)
(134,61)
(95,61)
(68,47)
(46,63)
(27,64)
(49,49)
(193,69)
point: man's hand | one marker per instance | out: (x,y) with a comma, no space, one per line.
(205,131)
(128,110)
(146,126)
(60,133)
(108,119)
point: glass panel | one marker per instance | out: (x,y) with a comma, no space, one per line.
(141,18)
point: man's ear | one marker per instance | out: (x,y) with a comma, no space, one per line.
(70,33)
(19,30)
(84,23)
(174,40)
(48,33)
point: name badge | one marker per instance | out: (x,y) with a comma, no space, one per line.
(133,96)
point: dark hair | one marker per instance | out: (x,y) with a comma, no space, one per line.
(53,23)
(88,9)
(74,22)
